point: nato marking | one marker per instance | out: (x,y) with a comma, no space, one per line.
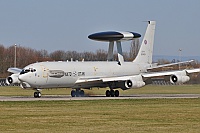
(74,73)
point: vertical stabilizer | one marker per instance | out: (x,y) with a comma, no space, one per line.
(146,48)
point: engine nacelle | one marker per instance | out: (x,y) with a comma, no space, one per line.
(134,82)
(12,79)
(180,77)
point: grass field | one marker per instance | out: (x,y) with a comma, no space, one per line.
(111,116)
(149,89)
(97,116)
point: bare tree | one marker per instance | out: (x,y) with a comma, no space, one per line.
(101,55)
(134,49)
(58,55)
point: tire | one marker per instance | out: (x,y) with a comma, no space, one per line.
(35,95)
(107,93)
(39,94)
(116,93)
(82,93)
(112,93)
(77,92)
(73,93)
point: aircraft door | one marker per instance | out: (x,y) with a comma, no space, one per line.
(45,73)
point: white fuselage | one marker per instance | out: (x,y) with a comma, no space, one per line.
(65,74)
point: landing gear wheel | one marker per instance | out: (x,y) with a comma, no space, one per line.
(77,93)
(82,93)
(116,93)
(112,93)
(37,94)
(73,93)
(107,93)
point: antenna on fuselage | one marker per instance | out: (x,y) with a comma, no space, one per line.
(112,37)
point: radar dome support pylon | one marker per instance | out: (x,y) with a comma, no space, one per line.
(110,51)
(119,52)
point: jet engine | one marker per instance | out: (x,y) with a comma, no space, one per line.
(12,79)
(179,77)
(133,82)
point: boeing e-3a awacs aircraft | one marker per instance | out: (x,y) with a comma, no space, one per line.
(112,74)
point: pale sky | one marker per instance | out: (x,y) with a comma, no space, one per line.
(65,24)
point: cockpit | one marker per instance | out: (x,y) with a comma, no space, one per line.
(27,70)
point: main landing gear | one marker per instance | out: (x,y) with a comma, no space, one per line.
(112,93)
(37,94)
(77,93)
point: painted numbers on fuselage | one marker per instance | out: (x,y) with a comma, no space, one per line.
(74,73)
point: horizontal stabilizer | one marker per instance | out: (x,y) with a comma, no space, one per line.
(171,64)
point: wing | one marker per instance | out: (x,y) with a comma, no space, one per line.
(14,70)
(168,73)
(135,81)
(102,81)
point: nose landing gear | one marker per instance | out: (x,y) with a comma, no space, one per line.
(37,94)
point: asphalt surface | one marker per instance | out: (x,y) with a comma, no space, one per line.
(101,97)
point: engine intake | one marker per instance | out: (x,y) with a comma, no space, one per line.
(12,79)
(133,82)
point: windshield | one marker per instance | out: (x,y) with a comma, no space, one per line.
(27,70)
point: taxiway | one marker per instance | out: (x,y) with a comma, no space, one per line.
(99,97)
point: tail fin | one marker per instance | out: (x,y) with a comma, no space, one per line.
(146,48)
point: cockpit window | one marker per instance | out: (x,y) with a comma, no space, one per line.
(27,70)
(22,72)
(32,69)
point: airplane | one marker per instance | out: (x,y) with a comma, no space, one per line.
(88,74)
